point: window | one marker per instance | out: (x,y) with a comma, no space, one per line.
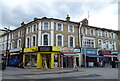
(70,28)
(107,44)
(113,46)
(19,43)
(34,28)
(45,39)
(20,33)
(84,31)
(45,26)
(99,32)
(28,29)
(34,40)
(59,27)
(71,41)
(106,34)
(100,43)
(12,45)
(112,35)
(91,32)
(28,42)
(59,40)
(88,43)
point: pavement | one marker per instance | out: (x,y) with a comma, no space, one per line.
(61,73)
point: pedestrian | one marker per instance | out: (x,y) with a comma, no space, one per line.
(21,65)
(44,65)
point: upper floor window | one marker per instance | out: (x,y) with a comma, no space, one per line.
(107,44)
(91,31)
(59,27)
(106,34)
(45,39)
(20,33)
(34,28)
(59,40)
(28,30)
(28,42)
(84,31)
(113,45)
(19,43)
(99,32)
(34,40)
(100,43)
(45,26)
(89,43)
(70,28)
(71,41)
(112,35)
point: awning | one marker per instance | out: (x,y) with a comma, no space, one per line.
(94,56)
(110,55)
(70,53)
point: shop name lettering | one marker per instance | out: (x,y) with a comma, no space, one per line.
(44,49)
(90,52)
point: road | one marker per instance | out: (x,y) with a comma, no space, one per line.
(65,73)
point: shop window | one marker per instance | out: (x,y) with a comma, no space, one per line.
(31,60)
(56,60)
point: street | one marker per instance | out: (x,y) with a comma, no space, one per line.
(61,73)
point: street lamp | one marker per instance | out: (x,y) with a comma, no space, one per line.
(7,54)
(81,36)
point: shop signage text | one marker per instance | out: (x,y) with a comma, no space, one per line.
(90,52)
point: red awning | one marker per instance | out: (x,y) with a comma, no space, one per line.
(70,53)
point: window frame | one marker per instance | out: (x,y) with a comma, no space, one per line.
(44,27)
(57,39)
(33,41)
(43,39)
(69,41)
(72,28)
(27,42)
(57,26)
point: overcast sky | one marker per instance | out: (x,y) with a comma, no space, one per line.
(102,14)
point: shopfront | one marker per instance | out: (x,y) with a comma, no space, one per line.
(35,57)
(69,57)
(15,57)
(106,56)
(90,57)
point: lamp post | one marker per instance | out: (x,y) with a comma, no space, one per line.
(82,44)
(7,54)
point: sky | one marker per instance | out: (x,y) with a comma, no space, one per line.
(103,13)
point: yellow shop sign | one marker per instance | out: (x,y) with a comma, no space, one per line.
(55,48)
(32,49)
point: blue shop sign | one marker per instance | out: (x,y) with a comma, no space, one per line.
(90,52)
(114,52)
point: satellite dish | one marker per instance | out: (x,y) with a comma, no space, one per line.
(118,57)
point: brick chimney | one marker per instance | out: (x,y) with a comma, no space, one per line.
(67,18)
(84,21)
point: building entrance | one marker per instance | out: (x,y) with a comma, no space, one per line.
(46,60)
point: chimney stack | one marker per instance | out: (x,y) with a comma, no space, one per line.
(22,23)
(84,21)
(67,18)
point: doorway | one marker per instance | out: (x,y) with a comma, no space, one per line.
(46,58)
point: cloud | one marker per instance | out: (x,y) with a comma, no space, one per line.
(26,10)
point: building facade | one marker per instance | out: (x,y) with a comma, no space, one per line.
(78,43)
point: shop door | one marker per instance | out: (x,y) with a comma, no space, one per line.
(46,60)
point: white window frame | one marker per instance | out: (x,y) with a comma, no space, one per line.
(19,44)
(33,28)
(57,26)
(105,33)
(113,42)
(85,30)
(62,39)
(48,25)
(43,39)
(108,44)
(72,28)
(12,45)
(27,42)
(32,40)
(99,33)
(69,40)
(93,32)
(101,43)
